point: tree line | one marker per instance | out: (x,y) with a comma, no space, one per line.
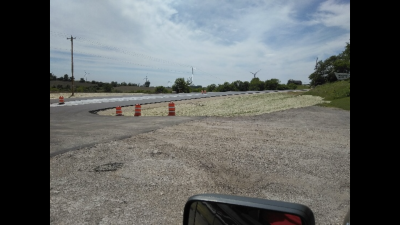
(324,73)
(181,85)
(255,84)
(325,70)
(66,77)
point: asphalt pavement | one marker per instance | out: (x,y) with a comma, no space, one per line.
(76,124)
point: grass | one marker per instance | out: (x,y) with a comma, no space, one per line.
(300,87)
(343,103)
(65,83)
(337,93)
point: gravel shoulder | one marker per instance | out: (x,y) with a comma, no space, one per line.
(299,155)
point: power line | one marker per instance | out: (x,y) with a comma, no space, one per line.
(135,54)
(123,51)
(124,61)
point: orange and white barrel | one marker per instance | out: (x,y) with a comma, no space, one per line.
(138,110)
(118,110)
(61,100)
(171,107)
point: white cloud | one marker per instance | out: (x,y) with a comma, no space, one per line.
(333,14)
(224,40)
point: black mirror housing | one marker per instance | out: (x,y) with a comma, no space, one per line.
(230,209)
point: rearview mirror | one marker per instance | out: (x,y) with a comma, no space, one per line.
(218,209)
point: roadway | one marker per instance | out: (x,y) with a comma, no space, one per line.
(76,124)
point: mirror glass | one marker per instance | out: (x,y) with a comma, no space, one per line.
(212,213)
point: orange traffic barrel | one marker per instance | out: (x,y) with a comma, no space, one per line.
(171,107)
(118,111)
(138,110)
(61,100)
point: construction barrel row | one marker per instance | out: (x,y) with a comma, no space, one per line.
(138,110)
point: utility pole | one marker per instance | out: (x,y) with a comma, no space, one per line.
(72,62)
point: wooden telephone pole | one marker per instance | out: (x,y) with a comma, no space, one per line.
(72,62)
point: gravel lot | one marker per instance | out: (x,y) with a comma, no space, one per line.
(299,154)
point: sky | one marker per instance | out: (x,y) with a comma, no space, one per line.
(208,41)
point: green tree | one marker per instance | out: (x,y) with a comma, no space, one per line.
(272,84)
(292,86)
(325,70)
(147,83)
(114,83)
(53,77)
(256,84)
(82,80)
(160,89)
(107,87)
(225,87)
(239,85)
(342,64)
(282,87)
(66,77)
(211,87)
(316,79)
(246,86)
(180,86)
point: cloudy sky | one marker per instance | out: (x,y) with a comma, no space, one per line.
(220,40)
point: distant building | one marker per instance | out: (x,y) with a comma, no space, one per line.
(297,82)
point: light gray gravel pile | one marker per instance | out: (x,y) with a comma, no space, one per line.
(298,155)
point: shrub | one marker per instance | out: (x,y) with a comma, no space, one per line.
(80,89)
(161,89)
(142,91)
(282,87)
(292,86)
(107,87)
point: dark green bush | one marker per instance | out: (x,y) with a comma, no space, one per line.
(161,89)
(292,86)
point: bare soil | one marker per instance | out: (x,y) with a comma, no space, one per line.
(297,155)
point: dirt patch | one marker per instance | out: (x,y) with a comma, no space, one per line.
(299,155)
